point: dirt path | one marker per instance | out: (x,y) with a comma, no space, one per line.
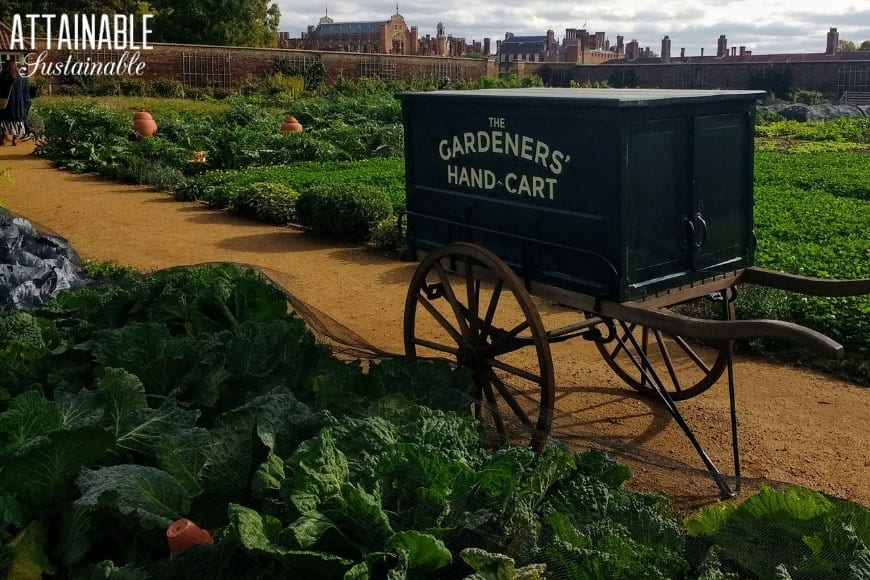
(796,426)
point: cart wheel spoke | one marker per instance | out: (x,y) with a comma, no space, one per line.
(445,324)
(492,405)
(458,310)
(644,346)
(620,344)
(473,294)
(666,357)
(692,354)
(514,370)
(436,346)
(493,305)
(690,369)
(495,318)
(509,399)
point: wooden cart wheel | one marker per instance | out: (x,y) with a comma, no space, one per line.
(685,367)
(465,302)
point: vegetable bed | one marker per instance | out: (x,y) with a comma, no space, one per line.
(193,393)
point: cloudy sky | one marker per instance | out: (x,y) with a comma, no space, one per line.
(763,26)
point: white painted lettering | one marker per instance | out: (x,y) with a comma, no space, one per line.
(444,150)
(528,143)
(482,142)
(469,142)
(16,39)
(497,142)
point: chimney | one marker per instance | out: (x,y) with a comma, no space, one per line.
(666,49)
(733,51)
(599,40)
(742,50)
(682,54)
(572,52)
(722,46)
(486,46)
(551,40)
(702,52)
(833,41)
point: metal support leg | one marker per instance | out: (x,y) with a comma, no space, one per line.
(648,372)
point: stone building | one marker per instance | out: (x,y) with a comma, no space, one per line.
(391,36)
(381,37)
(528,48)
(443,44)
(578,46)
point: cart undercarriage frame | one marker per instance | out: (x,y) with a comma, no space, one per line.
(461,288)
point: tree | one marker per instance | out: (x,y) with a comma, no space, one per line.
(846,46)
(865,45)
(221,22)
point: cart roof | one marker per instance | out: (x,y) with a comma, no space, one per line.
(620,98)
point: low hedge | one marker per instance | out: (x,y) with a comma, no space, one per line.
(343,210)
(269,202)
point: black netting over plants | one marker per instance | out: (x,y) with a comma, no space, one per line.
(34,266)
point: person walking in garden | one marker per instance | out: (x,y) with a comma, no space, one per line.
(15,90)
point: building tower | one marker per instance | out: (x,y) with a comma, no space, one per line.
(666,49)
(440,40)
(722,46)
(833,41)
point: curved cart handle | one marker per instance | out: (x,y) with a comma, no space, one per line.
(805,284)
(723,330)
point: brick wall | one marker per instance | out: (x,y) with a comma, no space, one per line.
(232,66)
(825,77)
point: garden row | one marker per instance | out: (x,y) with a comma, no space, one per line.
(193,393)
(812,210)
(344,177)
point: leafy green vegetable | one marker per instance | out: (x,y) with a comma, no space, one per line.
(488,566)
(798,533)
(151,496)
(44,472)
(30,561)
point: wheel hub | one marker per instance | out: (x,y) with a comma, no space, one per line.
(468,356)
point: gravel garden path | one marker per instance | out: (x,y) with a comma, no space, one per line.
(796,426)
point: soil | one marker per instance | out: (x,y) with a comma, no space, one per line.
(796,426)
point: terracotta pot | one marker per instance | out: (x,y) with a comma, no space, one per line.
(291,125)
(183,534)
(144,123)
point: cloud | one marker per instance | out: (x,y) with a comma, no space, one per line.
(768,26)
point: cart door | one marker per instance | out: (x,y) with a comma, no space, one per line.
(721,203)
(658,186)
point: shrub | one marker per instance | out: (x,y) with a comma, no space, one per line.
(133,87)
(105,87)
(35,123)
(277,84)
(809,97)
(270,202)
(766,116)
(344,211)
(167,89)
(386,236)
